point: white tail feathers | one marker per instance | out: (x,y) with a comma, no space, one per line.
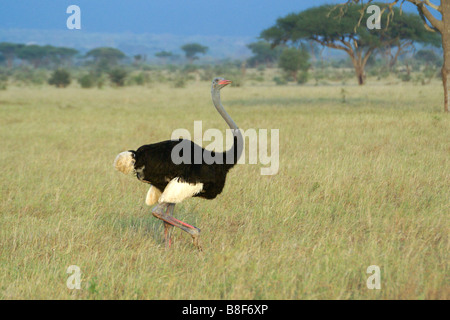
(153,195)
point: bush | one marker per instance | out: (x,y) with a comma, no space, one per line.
(279,81)
(180,82)
(189,68)
(140,79)
(87,81)
(118,76)
(28,75)
(404,77)
(60,78)
(237,81)
(207,74)
(292,61)
(302,77)
(3,80)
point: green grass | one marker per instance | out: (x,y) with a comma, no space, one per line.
(360,183)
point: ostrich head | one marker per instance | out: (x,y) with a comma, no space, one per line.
(219,83)
(124,162)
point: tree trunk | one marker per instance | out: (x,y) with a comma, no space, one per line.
(359,71)
(446,46)
(359,60)
(360,75)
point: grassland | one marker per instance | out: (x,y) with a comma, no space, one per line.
(361,182)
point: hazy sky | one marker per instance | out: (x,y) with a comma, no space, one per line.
(180,17)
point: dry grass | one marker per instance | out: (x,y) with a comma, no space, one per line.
(361,183)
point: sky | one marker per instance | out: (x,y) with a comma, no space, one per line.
(178,17)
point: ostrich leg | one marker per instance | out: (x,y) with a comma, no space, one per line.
(168,227)
(164,210)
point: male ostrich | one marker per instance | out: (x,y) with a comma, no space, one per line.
(172,183)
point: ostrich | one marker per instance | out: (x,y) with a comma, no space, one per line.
(172,183)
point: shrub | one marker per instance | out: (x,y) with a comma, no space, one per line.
(237,81)
(3,80)
(118,76)
(302,77)
(60,78)
(87,81)
(28,75)
(180,82)
(292,61)
(189,68)
(140,79)
(404,77)
(279,81)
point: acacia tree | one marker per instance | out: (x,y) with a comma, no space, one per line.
(105,57)
(428,11)
(338,29)
(263,53)
(402,32)
(63,55)
(192,49)
(330,28)
(34,54)
(9,51)
(164,55)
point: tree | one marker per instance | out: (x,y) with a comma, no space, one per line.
(428,12)
(60,78)
(293,60)
(263,53)
(164,55)
(9,51)
(428,57)
(336,27)
(329,28)
(138,59)
(404,30)
(105,57)
(33,54)
(192,49)
(63,55)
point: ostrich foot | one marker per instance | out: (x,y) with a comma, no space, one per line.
(195,241)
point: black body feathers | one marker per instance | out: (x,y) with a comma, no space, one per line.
(154,165)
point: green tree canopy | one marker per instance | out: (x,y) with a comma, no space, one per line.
(34,54)
(336,26)
(163,54)
(58,55)
(105,57)
(436,17)
(428,57)
(263,53)
(192,49)
(9,51)
(403,30)
(293,60)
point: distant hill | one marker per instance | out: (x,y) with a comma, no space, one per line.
(220,47)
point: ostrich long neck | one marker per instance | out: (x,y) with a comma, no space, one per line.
(238,139)
(218,104)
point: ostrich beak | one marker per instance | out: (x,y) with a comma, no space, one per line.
(224,82)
